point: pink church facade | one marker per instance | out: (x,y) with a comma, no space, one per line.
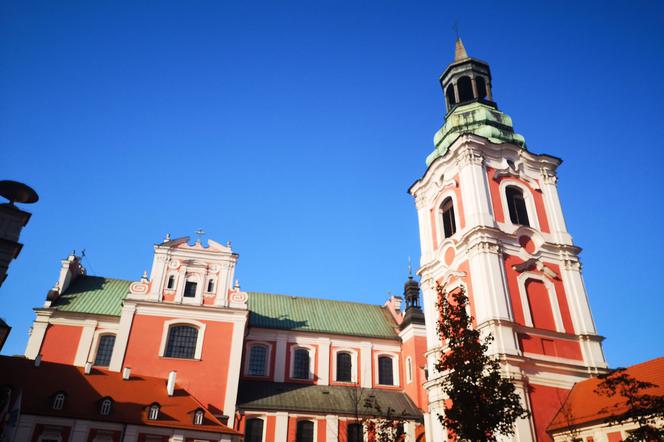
(284,368)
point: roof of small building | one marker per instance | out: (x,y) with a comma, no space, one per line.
(84,393)
(103,296)
(584,406)
(320,316)
(356,401)
(93,294)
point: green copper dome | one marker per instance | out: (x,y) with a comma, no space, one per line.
(474,118)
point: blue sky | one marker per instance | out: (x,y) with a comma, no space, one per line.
(294,128)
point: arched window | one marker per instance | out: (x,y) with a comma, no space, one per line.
(305,431)
(481,87)
(198,417)
(105,406)
(344,367)
(181,342)
(354,433)
(210,286)
(58,401)
(465,87)
(447,212)
(385,371)
(516,205)
(153,412)
(449,93)
(301,364)
(258,360)
(253,431)
(171,282)
(104,350)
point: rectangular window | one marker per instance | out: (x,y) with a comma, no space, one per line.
(190,289)
(301,364)
(105,350)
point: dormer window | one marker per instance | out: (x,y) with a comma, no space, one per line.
(58,401)
(210,286)
(171,282)
(190,289)
(153,412)
(106,406)
(198,417)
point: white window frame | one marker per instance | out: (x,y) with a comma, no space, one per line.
(259,417)
(409,370)
(268,358)
(353,362)
(310,419)
(199,338)
(553,299)
(152,414)
(95,344)
(440,228)
(312,361)
(528,197)
(395,369)
(103,407)
(200,282)
(58,401)
(49,434)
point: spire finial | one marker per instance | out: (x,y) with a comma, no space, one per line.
(410,268)
(459,50)
(199,233)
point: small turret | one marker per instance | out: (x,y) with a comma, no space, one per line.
(413,313)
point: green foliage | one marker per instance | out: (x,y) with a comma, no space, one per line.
(646,410)
(482,403)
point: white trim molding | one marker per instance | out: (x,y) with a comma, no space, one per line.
(354,353)
(247,358)
(312,361)
(553,299)
(396,381)
(174,322)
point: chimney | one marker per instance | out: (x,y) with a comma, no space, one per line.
(170,385)
(88,368)
(126,373)
(38,361)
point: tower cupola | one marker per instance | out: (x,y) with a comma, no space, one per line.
(413,312)
(466,80)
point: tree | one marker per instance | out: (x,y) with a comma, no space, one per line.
(482,404)
(646,410)
(381,424)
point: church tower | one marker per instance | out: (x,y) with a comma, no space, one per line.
(490,220)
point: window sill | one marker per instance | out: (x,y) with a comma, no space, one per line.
(171,358)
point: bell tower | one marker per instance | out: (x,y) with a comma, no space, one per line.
(490,220)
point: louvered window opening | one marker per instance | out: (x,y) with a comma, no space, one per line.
(105,350)
(301,364)
(344,367)
(181,342)
(449,223)
(517,206)
(257,360)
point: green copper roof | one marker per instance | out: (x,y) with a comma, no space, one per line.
(478,119)
(261,395)
(320,316)
(93,294)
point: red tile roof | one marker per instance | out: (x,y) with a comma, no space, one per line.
(131,398)
(584,406)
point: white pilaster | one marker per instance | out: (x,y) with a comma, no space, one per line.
(85,342)
(553,208)
(365,358)
(80,431)
(281,427)
(474,187)
(122,338)
(280,358)
(324,361)
(37,334)
(331,428)
(233,376)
